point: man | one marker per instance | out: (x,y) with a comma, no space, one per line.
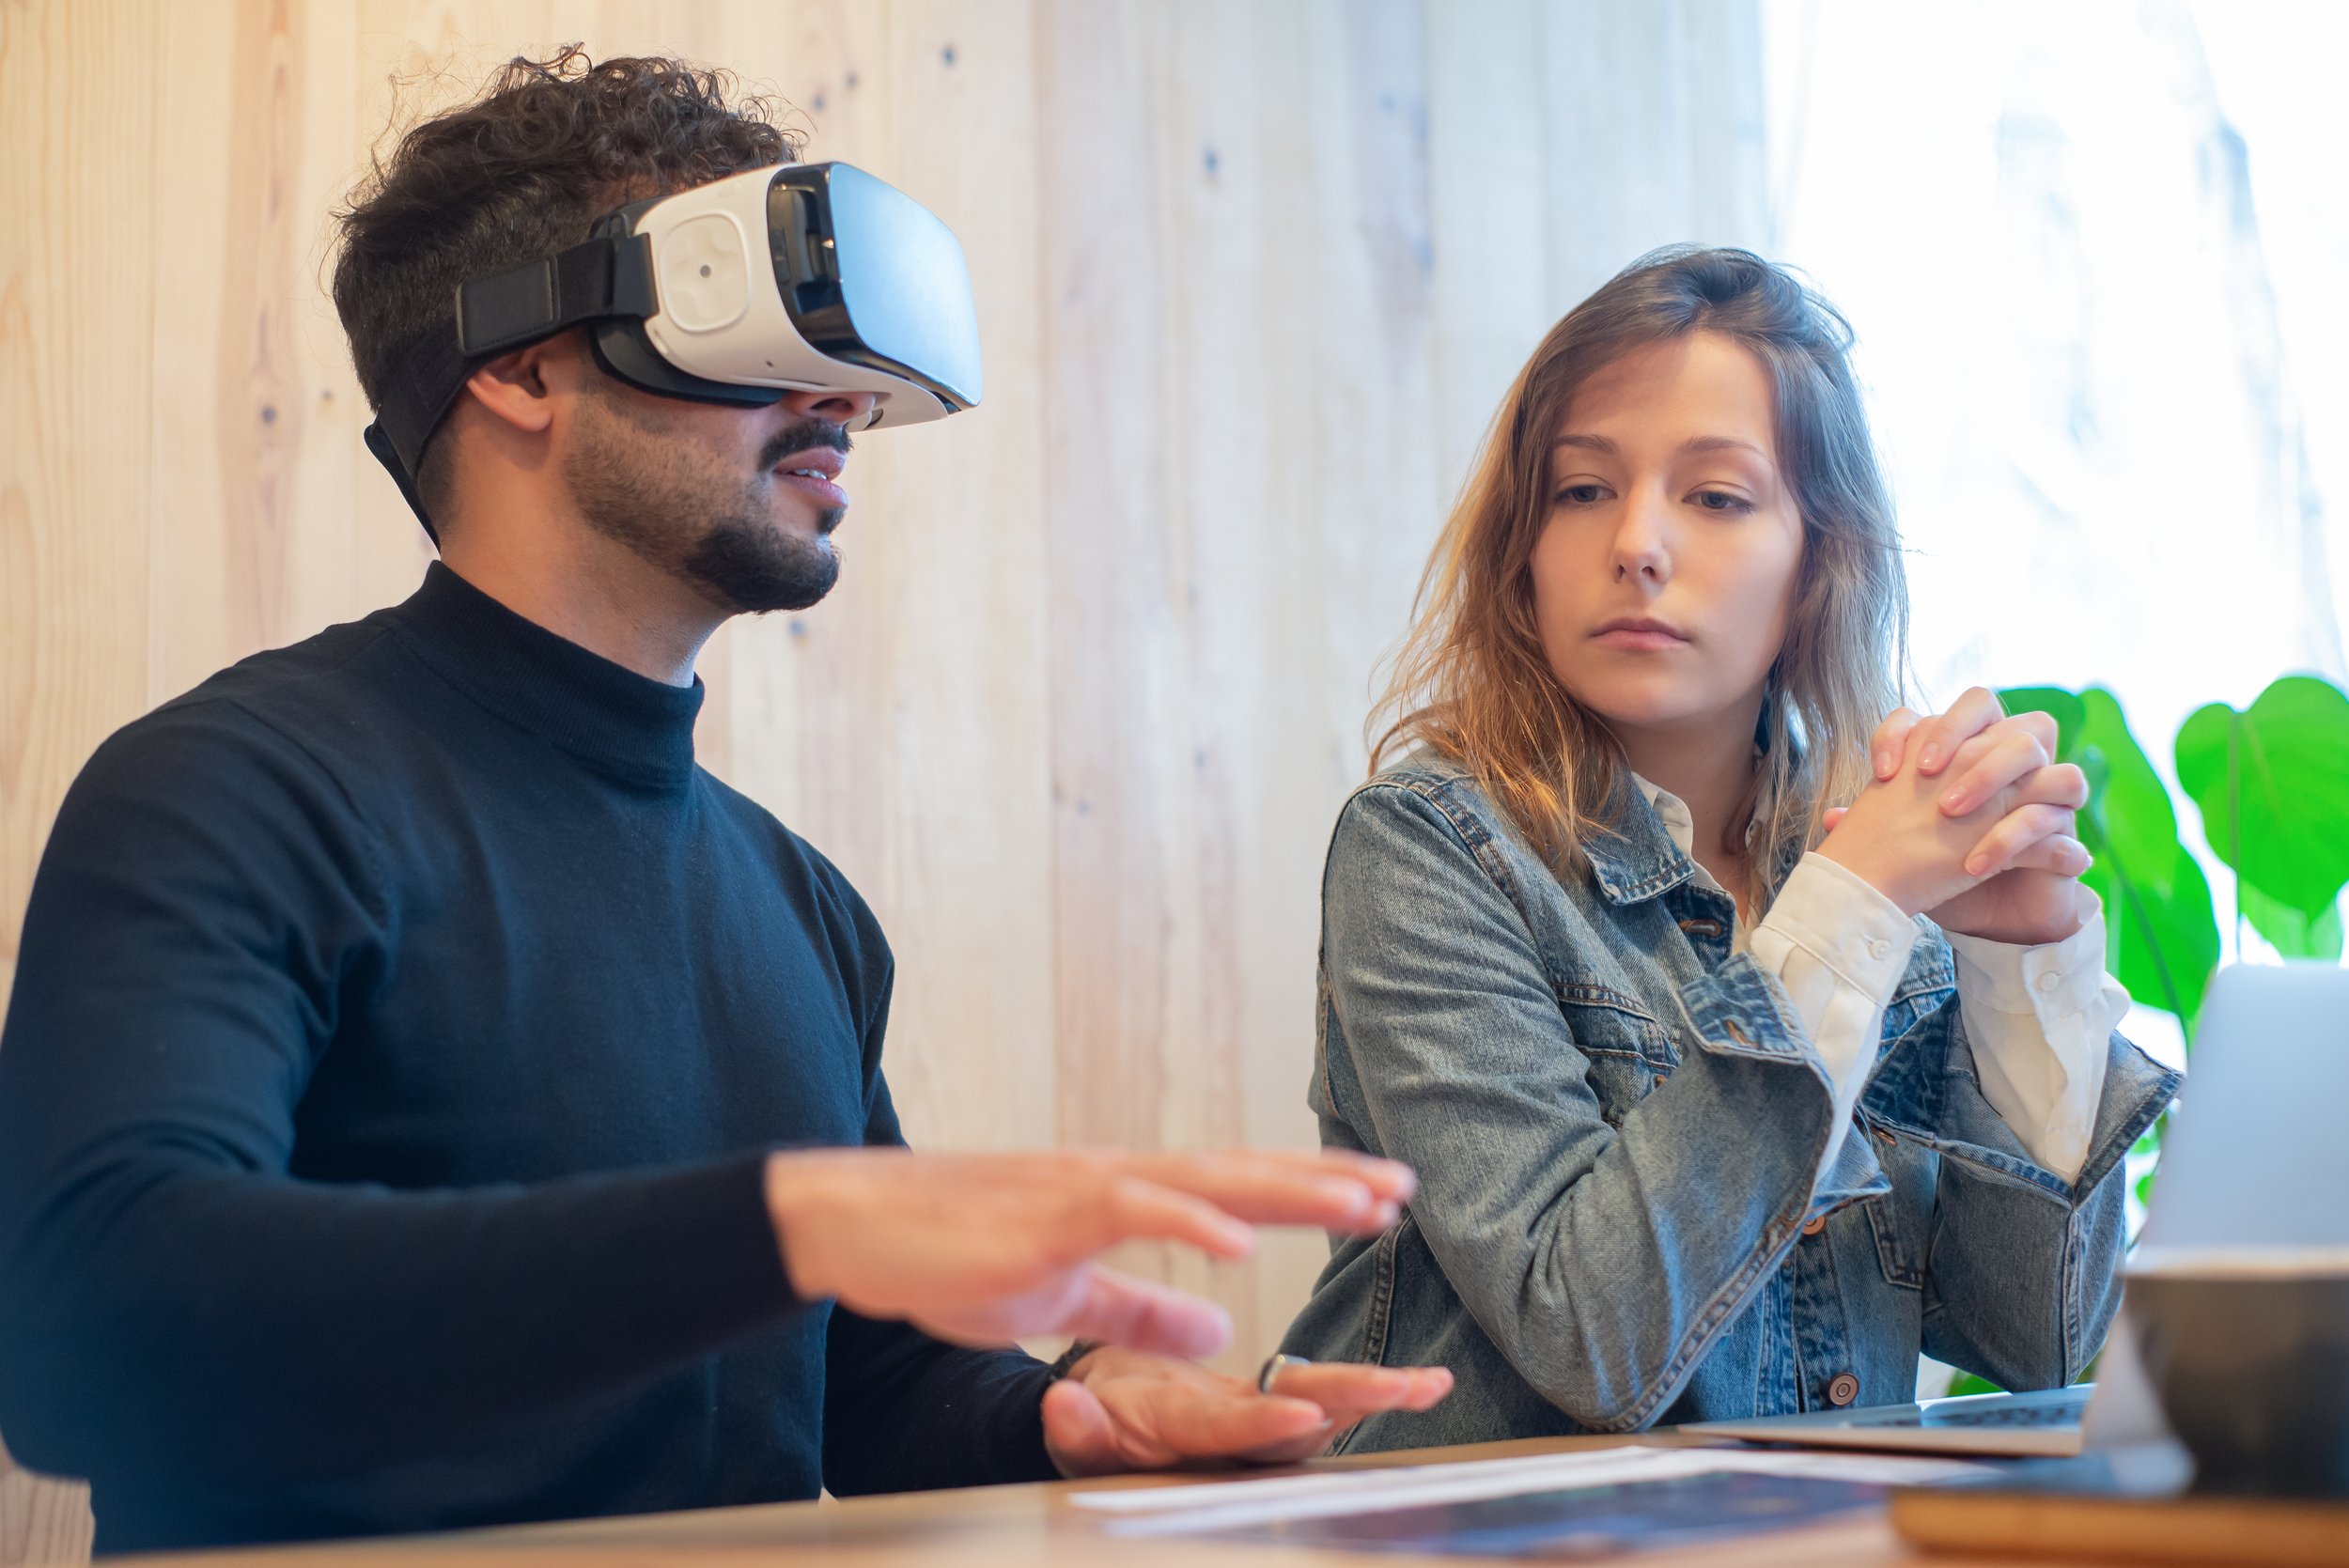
(429,1099)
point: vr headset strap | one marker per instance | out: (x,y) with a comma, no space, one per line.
(608,276)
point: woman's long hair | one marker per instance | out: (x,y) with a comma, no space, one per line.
(1471,682)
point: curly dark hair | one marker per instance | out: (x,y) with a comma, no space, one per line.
(524,171)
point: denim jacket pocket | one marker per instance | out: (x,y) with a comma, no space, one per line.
(1629,1050)
(1900,1220)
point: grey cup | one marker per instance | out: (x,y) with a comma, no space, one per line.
(2248,1352)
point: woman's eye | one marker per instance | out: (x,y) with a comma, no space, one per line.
(1721,501)
(1581,495)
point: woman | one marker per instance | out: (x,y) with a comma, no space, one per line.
(1724,1103)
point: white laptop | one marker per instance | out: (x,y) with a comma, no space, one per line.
(2253,1159)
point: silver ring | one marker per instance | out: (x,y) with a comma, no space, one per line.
(1274,1365)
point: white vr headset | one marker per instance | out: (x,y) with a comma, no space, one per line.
(800,277)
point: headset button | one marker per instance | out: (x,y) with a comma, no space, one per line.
(704,276)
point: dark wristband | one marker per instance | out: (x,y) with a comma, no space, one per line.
(1066,1362)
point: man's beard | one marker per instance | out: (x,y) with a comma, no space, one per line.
(656,496)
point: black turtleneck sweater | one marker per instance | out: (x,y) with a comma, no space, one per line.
(399,1022)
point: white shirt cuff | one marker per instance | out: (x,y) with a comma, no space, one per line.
(1839,949)
(2051,980)
(1837,917)
(2040,1019)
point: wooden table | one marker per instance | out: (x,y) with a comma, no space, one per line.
(999,1525)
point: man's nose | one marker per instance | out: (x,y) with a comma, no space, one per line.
(847,408)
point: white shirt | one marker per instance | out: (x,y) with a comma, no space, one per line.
(2038,1018)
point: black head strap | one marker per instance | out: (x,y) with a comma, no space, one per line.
(608,276)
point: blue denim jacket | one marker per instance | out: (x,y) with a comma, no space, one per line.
(1618,1127)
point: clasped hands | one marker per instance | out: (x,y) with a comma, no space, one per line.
(1971,822)
(985,1249)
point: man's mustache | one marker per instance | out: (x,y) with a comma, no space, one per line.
(805,436)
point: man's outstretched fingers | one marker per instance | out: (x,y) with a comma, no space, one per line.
(1281,1189)
(1347,1391)
(1137,1209)
(1139,1315)
(1389,1178)
(1240,1426)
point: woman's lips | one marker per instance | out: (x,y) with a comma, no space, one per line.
(1640,639)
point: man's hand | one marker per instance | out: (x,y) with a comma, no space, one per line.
(1119,1411)
(986,1248)
(2009,810)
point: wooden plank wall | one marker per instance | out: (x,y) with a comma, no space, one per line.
(1252,276)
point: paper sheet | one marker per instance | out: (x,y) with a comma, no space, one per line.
(1244,1504)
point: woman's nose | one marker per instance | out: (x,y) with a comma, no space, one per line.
(1640,544)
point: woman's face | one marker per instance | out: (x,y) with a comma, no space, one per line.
(1664,575)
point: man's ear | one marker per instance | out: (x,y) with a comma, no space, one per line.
(518,388)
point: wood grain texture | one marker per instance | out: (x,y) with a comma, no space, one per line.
(1251,278)
(77,328)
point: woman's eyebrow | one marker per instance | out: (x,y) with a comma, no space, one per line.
(1694,444)
(1722,443)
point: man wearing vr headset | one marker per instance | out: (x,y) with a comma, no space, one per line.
(405,1027)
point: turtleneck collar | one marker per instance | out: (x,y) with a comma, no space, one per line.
(610,718)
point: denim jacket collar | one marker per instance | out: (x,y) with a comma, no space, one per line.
(1633,858)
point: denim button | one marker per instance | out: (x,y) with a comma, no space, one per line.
(1816,1226)
(1844,1389)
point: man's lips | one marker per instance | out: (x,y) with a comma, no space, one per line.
(1639,632)
(815,471)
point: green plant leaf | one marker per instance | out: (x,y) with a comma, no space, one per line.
(2161,938)
(2272,784)
(2291,933)
(2132,811)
